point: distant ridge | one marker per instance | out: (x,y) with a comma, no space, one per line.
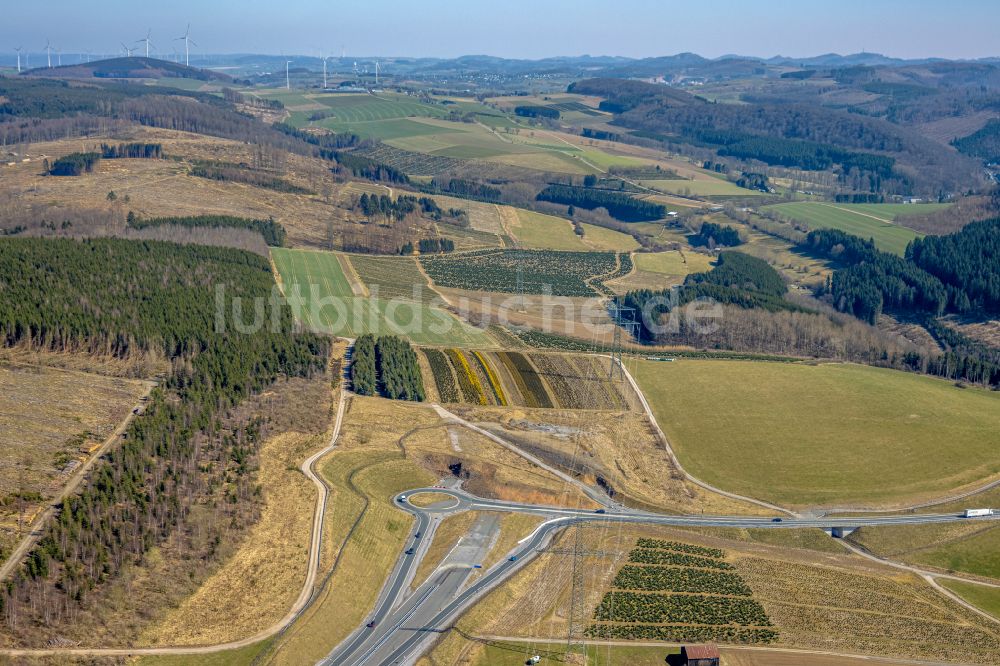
(128,68)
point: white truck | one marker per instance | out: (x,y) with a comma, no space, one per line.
(977,513)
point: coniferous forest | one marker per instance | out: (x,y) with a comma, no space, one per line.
(122,298)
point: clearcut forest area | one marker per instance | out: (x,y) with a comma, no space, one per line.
(595,358)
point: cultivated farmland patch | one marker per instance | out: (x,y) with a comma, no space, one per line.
(563,273)
(515,379)
(680,592)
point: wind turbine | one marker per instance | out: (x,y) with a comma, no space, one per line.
(288,83)
(187,41)
(59,56)
(128,51)
(324,72)
(146,39)
(48,51)
(18,49)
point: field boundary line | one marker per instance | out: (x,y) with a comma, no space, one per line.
(37,528)
(723,646)
(673,456)
(358,286)
(929,577)
(857,212)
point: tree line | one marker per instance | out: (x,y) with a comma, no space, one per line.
(737,279)
(74,164)
(123,298)
(619,205)
(967,262)
(713,234)
(132,151)
(273,232)
(536,111)
(386,365)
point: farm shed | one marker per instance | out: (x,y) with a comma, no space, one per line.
(700,655)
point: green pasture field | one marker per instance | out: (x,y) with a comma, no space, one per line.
(969,546)
(351,108)
(672,262)
(713,187)
(327,304)
(602,238)
(982,597)
(892,212)
(865,220)
(538,231)
(829,434)
(977,554)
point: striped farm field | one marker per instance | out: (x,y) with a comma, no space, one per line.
(393,277)
(516,379)
(322,298)
(875,221)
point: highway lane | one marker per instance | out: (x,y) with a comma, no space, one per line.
(438,591)
(406,631)
(396,586)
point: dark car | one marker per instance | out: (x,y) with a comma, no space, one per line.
(512,558)
(417,535)
(776,520)
(409,551)
(601,511)
(371,624)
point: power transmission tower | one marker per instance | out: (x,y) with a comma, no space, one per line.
(575,638)
(623,317)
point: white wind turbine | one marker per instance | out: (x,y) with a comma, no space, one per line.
(128,51)
(324,71)
(18,50)
(146,40)
(187,42)
(48,51)
(288,82)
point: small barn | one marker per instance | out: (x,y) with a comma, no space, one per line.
(700,655)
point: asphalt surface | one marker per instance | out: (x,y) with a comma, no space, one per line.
(405,624)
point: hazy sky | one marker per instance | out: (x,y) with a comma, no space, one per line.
(514,28)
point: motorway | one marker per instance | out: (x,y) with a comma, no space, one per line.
(405,623)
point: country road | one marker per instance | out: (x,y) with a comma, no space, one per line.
(404,626)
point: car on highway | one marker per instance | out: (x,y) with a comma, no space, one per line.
(477,566)
(417,535)
(371,625)
(512,558)
(409,551)
(776,520)
(601,511)
(402,498)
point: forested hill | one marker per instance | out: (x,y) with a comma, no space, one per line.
(128,68)
(128,299)
(890,158)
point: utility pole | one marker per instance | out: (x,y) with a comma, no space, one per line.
(623,317)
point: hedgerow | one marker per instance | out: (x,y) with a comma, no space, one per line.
(621,606)
(682,579)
